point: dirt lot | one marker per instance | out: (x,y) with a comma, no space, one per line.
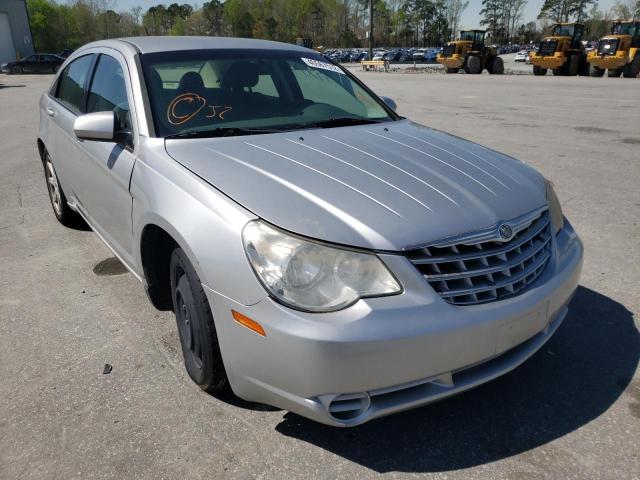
(572,411)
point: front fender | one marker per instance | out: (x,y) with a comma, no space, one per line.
(204,222)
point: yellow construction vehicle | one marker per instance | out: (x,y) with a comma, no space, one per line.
(562,52)
(470,54)
(619,52)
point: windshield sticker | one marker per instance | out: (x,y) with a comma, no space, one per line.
(186,106)
(323,65)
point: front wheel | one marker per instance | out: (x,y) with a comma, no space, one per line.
(473,65)
(17,70)
(632,68)
(495,66)
(196,329)
(538,71)
(614,72)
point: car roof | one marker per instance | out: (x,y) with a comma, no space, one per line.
(171,44)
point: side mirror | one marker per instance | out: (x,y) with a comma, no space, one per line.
(99,126)
(390,103)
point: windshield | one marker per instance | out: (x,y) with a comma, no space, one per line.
(245,91)
(623,29)
(563,31)
(472,36)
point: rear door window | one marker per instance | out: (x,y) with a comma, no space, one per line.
(71,84)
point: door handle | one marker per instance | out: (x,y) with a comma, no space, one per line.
(50,111)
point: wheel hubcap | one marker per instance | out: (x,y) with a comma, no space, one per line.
(187,324)
(53,186)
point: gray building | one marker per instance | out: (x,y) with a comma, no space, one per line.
(15,32)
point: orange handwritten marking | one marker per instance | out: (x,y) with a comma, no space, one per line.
(176,119)
(214,113)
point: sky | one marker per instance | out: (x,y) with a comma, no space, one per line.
(470,17)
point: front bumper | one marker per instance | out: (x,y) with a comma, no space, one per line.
(454,61)
(548,61)
(384,355)
(611,62)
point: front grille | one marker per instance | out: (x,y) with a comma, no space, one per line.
(547,48)
(607,46)
(481,268)
(448,50)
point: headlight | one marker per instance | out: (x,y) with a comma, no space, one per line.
(311,276)
(555,210)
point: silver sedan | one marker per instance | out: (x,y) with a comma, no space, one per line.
(321,253)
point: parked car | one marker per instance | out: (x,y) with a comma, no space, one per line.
(379,55)
(321,253)
(418,55)
(431,54)
(521,56)
(38,63)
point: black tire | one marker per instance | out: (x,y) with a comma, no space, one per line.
(61,209)
(584,67)
(453,70)
(558,72)
(597,72)
(473,65)
(495,66)
(17,70)
(571,66)
(614,73)
(539,71)
(632,68)
(196,328)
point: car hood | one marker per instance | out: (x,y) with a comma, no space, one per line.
(391,186)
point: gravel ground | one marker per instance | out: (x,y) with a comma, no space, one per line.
(572,411)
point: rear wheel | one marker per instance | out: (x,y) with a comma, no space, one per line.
(61,209)
(453,70)
(495,65)
(632,68)
(196,328)
(614,72)
(539,70)
(597,72)
(473,65)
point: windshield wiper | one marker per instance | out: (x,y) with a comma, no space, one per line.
(221,132)
(340,122)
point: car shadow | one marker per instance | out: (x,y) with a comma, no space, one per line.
(572,380)
(5,85)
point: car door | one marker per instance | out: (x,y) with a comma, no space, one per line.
(65,104)
(28,63)
(103,173)
(47,63)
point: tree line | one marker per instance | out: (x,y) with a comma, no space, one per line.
(335,23)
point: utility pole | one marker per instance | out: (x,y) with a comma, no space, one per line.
(370,29)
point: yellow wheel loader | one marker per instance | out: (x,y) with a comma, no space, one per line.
(471,54)
(562,52)
(619,52)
